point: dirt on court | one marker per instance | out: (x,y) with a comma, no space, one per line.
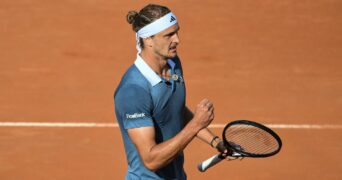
(275,62)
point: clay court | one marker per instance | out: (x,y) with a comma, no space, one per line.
(274,62)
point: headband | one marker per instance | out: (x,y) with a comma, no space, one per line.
(155,27)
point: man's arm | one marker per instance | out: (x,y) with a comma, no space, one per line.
(155,156)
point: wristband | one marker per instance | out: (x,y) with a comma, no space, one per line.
(211,143)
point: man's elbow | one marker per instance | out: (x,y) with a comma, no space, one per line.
(151,166)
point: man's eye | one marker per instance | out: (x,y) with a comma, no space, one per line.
(169,35)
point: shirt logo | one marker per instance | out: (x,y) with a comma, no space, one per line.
(176,77)
(135,115)
(172,19)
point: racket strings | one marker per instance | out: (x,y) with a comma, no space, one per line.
(251,139)
(255,141)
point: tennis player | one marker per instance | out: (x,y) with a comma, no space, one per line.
(150,106)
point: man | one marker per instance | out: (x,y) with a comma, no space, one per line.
(150,107)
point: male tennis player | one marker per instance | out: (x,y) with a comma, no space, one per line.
(150,107)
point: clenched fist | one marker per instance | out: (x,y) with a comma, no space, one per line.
(204,114)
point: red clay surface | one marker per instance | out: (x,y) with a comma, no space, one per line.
(268,61)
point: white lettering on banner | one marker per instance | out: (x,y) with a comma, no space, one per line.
(135,115)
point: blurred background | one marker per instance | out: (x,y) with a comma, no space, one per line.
(275,62)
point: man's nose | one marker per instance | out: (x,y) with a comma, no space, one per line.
(176,38)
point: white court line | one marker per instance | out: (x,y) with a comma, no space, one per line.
(115,125)
(304,126)
(292,126)
(57,124)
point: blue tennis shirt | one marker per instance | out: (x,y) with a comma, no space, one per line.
(145,99)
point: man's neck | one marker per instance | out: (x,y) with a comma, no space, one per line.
(157,63)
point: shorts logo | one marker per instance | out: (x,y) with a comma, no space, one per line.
(135,115)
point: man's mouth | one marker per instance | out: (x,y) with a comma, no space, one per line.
(174,48)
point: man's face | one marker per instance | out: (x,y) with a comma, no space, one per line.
(165,43)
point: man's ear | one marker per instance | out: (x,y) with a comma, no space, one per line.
(148,41)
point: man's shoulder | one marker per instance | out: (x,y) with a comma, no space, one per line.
(132,80)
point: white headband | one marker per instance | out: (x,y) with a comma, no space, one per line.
(155,27)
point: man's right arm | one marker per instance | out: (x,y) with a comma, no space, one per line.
(156,156)
(204,134)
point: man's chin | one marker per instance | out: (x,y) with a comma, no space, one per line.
(172,55)
(169,55)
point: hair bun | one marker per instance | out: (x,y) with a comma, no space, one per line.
(131,16)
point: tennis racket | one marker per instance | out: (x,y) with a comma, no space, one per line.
(245,139)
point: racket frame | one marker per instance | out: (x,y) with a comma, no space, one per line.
(246,154)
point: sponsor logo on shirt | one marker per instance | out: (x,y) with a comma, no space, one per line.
(135,115)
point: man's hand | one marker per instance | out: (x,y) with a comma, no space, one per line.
(223,149)
(226,151)
(204,114)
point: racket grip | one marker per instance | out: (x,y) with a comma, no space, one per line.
(203,166)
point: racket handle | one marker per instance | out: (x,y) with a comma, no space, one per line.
(203,166)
